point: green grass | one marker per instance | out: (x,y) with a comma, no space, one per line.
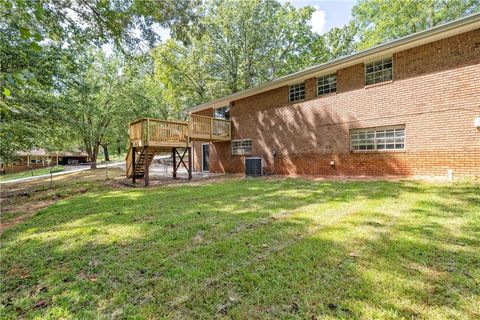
(30,173)
(250,249)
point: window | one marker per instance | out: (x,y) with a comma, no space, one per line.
(326,84)
(378,71)
(385,138)
(297,92)
(222,113)
(241,146)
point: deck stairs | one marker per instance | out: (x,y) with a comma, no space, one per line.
(143,159)
(149,136)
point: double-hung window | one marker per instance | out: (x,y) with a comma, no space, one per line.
(297,92)
(326,84)
(378,71)
(383,138)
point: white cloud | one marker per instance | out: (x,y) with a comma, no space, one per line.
(318,20)
(164,33)
(107,49)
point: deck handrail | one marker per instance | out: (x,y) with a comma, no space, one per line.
(206,117)
(167,131)
(128,161)
(136,131)
(149,130)
(207,127)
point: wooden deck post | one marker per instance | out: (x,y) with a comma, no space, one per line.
(189,163)
(134,151)
(211,128)
(147,134)
(146,166)
(174,172)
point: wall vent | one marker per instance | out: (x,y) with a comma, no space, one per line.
(253,166)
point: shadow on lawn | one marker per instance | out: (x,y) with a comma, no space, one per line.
(410,270)
(145,249)
(438,261)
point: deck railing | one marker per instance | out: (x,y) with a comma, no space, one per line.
(128,161)
(147,131)
(136,131)
(154,131)
(202,127)
(167,131)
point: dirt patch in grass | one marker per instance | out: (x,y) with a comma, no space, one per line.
(21,201)
(29,208)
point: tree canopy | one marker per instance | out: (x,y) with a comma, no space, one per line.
(378,21)
(38,42)
(242,44)
(73,73)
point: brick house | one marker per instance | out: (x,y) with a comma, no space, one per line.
(38,158)
(407,107)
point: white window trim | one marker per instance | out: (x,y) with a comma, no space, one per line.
(373,61)
(241,154)
(304,91)
(398,126)
(220,108)
(326,75)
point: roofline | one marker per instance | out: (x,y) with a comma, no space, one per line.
(442,31)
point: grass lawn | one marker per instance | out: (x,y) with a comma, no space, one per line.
(30,173)
(249,249)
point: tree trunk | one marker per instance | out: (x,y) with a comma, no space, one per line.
(93,157)
(119,150)
(93,163)
(105,152)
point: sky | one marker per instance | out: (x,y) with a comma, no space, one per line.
(329,14)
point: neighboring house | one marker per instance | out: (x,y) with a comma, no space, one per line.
(405,108)
(37,158)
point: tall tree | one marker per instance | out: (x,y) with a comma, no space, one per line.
(127,24)
(23,117)
(28,82)
(253,41)
(341,41)
(93,99)
(379,20)
(183,72)
(244,43)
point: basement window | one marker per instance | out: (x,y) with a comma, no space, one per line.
(240,147)
(297,92)
(378,71)
(326,84)
(373,139)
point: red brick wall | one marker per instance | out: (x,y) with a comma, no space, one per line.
(435,93)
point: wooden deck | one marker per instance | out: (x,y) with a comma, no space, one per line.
(148,136)
(168,134)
